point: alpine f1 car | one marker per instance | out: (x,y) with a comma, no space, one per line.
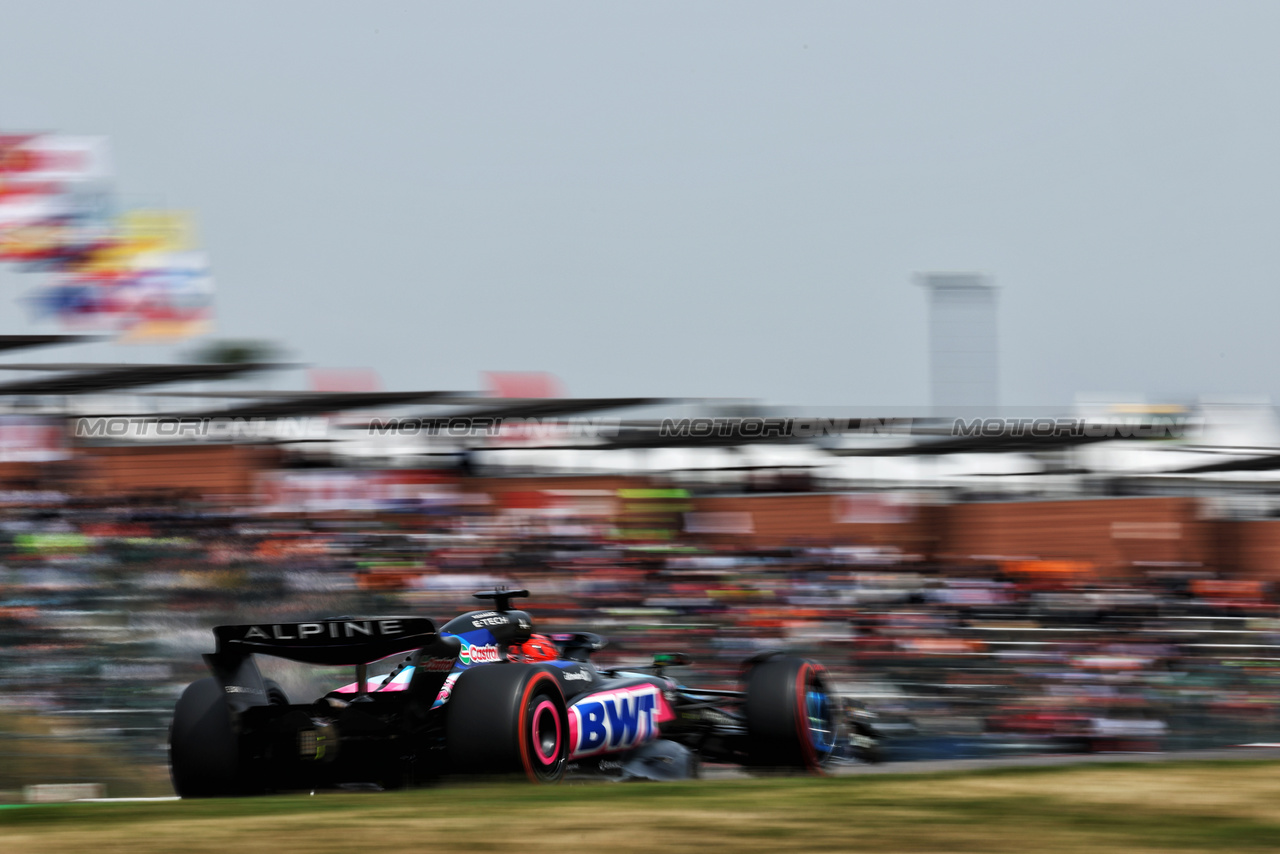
(482,694)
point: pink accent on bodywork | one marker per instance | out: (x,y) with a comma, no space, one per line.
(400,683)
(662,711)
(665,712)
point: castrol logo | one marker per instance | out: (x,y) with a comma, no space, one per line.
(472,654)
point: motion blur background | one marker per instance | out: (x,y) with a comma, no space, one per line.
(895,220)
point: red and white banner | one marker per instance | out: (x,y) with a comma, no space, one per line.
(29,439)
(318,490)
(875,508)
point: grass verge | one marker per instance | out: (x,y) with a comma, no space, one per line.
(1193,806)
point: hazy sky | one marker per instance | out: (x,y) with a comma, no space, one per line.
(694,198)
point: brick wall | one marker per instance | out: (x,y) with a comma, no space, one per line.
(1107,532)
(1249,548)
(1103,531)
(807,518)
(207,470)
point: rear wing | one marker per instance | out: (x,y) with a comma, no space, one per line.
(345,641)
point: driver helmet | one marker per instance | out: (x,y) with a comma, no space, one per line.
(536,648)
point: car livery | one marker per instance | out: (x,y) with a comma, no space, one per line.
(615,721)
(472,654)
(457,702)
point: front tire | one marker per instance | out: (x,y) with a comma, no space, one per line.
(791,715)
(508,718)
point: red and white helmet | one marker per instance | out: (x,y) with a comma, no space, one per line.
(536,648)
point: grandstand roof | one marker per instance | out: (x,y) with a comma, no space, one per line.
(82,378)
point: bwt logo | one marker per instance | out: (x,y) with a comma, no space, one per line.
(613,721)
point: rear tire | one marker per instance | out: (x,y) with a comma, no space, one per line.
(508,718)
(791,715)
(204,760)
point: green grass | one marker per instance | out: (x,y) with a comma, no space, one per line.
(32,751)
(1140,807)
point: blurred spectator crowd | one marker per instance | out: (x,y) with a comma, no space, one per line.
(106,606)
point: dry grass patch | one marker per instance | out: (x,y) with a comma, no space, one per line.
(1133,808)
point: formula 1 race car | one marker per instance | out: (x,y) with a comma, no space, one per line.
(480,695)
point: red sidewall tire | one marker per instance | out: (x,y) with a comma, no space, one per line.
(807,674)
(779,734)
(544,730)
(508,718)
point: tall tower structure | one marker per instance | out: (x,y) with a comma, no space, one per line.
(963,348)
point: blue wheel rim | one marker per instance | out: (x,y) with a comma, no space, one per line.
(822,725)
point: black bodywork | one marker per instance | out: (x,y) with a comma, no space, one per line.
(236,733)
